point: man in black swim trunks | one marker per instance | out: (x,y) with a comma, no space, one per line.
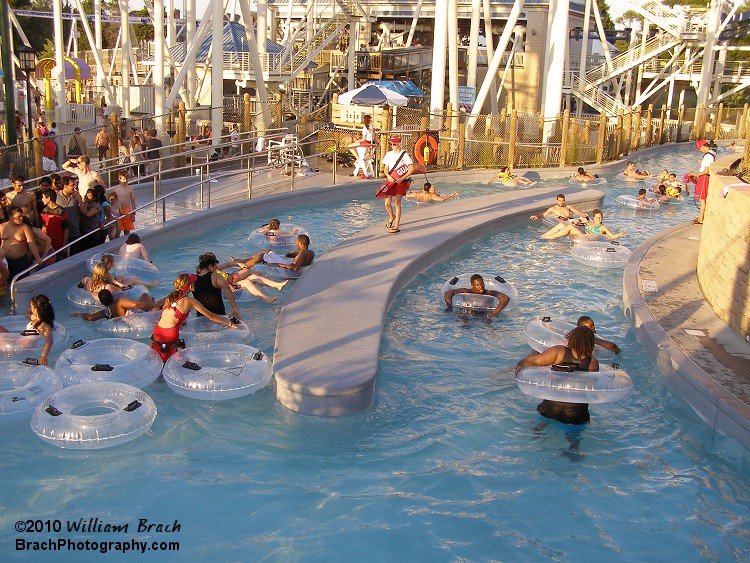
(17,242)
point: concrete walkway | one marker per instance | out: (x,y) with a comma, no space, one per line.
(330,328)
(701,358)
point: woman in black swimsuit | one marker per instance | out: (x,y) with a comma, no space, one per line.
(577,354)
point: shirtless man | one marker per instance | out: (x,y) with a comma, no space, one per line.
(633,174)
(302,257)
(102,141)
(87,177)
(119,307)
(23,199)
(18,240)
(589,322)
(560,210)
(126,198)
(582,176)
(477,286)
(428,194)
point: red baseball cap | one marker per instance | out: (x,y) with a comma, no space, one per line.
(700,143)
(395,139)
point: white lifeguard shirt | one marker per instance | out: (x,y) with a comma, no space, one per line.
(367,133)
(707,160)
(391,157)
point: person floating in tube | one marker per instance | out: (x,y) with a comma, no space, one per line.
(165,338)
(477,287)
(578,353)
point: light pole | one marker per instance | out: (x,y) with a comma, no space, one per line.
(27,65)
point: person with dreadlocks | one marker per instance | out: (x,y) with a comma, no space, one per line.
(578,354)
(165,338)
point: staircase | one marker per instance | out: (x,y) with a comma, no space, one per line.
(592,94)
(632,58)
(290,67)
(687,23)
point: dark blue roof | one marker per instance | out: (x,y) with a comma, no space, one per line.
(235,41)
(404,87)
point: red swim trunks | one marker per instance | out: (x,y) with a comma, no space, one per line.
(701,187)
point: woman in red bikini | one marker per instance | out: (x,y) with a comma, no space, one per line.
(177,306)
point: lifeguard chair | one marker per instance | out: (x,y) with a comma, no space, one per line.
(365,160)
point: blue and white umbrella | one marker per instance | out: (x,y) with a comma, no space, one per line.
(372,95)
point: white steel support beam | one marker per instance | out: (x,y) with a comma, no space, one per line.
(471,75)
(171,25)
(453,63)
(159,50)
(217,71)
(490,54)
(704,87)
(440,46)
(584,49)
(414,21)
(554,60)
(125,58)
(98,39)
(95,52)
(263,119)
(261,25)
(189,62)
(191,34)
(59,61)
(494,65)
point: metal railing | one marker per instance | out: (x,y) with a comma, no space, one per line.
(251,164)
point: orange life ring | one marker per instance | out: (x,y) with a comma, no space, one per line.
(426,149)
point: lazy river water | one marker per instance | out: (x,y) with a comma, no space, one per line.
(450,462)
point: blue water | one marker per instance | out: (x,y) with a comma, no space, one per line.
(450,462)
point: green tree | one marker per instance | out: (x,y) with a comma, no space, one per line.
(606,18)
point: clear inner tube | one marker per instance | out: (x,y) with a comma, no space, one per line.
(23,386)
(130,270)
(480,302)
(219,371)
(22,342)
(604,386)
(601,254)
(118,360)
(93,415)
(547,332)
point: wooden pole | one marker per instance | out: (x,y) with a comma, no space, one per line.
(461,144)
(564,139)
(513,137)
(600,139)
(719,119)
(649,125)
(662,121)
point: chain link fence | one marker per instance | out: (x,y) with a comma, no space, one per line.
(516,139)
(522,140)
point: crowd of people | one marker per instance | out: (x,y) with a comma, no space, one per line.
(61,210)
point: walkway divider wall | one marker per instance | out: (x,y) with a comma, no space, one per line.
(330,328)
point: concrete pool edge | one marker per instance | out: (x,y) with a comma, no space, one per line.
(723,411)
(330,329)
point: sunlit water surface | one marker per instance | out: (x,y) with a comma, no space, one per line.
(450,462)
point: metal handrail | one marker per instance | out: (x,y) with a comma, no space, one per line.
(162,198)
